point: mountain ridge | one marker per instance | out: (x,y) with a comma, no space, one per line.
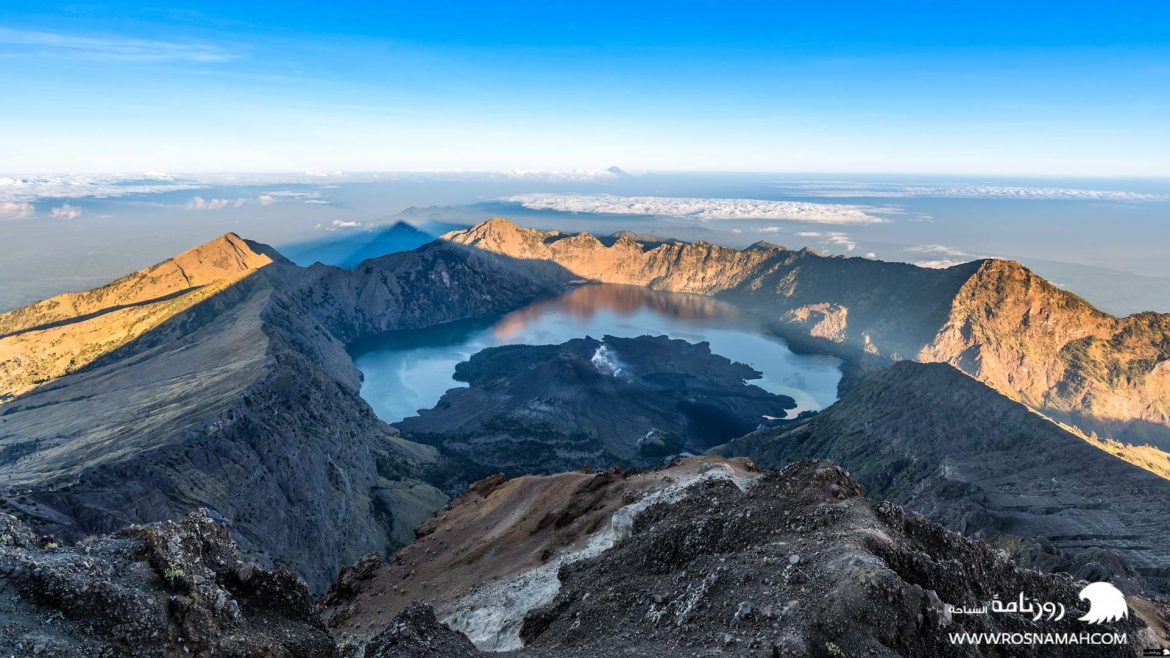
(247,403)
(992,318)
(62,334)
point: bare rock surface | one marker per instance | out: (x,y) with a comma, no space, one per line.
(415,633)
(164,589)
(714,559)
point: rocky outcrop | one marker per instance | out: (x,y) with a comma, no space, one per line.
(157,590)
(943,444)
(624,401)
(993,319)
(415,633)
(247,403)
(707,557)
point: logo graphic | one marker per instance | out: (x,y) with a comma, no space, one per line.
(1106,603)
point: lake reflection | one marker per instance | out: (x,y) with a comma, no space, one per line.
(410,370)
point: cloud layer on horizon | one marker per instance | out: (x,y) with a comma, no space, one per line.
(965,191)
(703,208)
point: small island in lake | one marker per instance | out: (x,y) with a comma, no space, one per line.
(625,401)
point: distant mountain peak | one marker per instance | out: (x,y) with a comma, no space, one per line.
(226,254)
(50,338)
(497,234)
(618,171)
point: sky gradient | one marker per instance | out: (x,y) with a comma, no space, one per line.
(1032,89)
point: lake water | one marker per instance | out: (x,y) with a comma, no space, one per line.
(410,370)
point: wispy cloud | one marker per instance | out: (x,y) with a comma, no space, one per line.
(32,188)
(830,239)
(340,224)
(966,191)
(66,211)
(936,249)
(704,208)
(841,240)
(199,203)
(15,210)
(938,256)
(567,175)
(118,48)
(268,198)
(939,263)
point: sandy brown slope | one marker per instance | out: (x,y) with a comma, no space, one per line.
(62,334)
(247,403)
(993,318)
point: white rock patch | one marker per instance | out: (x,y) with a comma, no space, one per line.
(491,615)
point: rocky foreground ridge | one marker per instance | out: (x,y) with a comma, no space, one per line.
(993,319)
(707,557)
(173,588)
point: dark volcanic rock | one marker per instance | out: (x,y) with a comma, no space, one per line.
(937,441)
(156,590)
(545,408)
(740,563)
(415,633)
(798,565)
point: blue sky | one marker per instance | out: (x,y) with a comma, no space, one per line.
(1036,88)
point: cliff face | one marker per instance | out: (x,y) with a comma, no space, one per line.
(993,319)
(1056,353)
(247,403)
(941,443)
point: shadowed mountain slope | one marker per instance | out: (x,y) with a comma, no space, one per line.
(941,443)
(247,403)
(347,249)
(992,318)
